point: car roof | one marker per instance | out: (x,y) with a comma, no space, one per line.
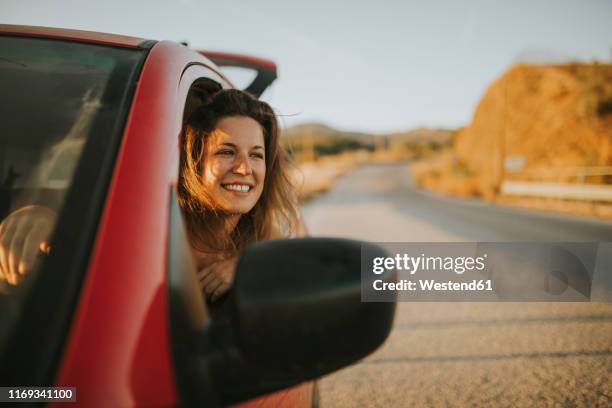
(74,35)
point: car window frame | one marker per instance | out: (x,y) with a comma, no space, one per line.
(34,349)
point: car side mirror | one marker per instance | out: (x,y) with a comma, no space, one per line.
(295,313)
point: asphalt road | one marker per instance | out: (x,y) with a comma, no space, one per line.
(466,354)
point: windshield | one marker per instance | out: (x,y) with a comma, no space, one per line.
(62,108)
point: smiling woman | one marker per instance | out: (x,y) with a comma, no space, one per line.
(234,186)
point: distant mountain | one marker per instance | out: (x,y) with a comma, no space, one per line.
(322,132)
(313,127)
(440,136)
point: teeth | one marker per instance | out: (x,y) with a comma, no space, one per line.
(237,187)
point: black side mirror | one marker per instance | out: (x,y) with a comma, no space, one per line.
(295,314)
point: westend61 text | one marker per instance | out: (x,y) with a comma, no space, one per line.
(432,285)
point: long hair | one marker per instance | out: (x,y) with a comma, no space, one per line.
(275,213)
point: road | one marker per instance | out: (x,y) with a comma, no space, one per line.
(466,354)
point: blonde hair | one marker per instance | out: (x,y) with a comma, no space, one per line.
(275,213)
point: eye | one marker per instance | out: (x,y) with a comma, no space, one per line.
(257,155)
(225,152)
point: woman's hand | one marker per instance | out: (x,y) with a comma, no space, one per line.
(23,235)
(217,278)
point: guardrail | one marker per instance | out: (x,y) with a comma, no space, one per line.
(590,192)
(556,183)
(580,173)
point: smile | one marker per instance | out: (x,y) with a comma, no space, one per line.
(240,188)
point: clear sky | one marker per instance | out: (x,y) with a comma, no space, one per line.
(358,65)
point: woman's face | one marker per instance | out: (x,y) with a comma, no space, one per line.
(234,165)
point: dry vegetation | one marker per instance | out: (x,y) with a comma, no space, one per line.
(313,178)
(554,116)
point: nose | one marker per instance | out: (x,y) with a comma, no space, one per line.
(243,166)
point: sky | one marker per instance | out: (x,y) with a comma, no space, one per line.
(373,66)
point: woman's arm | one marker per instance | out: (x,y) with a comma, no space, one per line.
(217,278)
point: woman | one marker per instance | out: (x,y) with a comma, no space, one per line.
(234,185)
(235,189)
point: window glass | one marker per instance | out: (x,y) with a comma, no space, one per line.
(56,97)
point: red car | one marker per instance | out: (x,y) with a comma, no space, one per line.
(90,127)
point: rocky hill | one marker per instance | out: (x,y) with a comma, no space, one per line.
(549,116)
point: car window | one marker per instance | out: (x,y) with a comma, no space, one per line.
(62,108)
